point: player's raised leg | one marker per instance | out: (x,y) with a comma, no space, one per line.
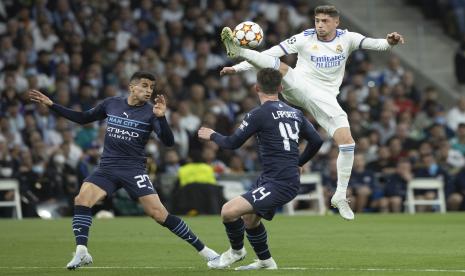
(345,160)
(255,58)
(257,236)
(155,209)
(234,225)
(82,220)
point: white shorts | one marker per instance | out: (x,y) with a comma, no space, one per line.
(322,105)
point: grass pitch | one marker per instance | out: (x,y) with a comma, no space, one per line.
(427,244)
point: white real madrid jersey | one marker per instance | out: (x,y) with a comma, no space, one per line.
(322,63)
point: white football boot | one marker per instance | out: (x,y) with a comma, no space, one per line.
(209,254)
(232,49)
(227,258)
(342,204)
(260,264)
(81,257)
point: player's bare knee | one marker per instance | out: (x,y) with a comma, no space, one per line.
(157,214)
(228,213)
(346,140)
(342,136)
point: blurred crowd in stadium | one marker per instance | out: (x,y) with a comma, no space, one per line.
(80,52)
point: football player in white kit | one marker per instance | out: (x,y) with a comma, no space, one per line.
(314,83)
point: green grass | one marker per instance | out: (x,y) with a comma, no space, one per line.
(371,245)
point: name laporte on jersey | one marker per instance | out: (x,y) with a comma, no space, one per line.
(284,114)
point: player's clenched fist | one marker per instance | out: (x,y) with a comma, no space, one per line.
(394,38)
(227,71)
(205,133)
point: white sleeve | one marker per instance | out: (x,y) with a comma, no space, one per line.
(379,44)
(358,41)
(275,51)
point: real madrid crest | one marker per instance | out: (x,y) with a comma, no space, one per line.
(339,49)
(315,47)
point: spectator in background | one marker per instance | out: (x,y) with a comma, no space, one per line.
(386,125)
(209,156)
(181,135)
(402,101)
(60,180)
(429,168)
(44,38)
(330,181)
(362,182)
(456,200)
(188,121)
(448,158)
(171,163)
(395,189)
(411,91)
(384,163)
(28,175)
(197,100)
(6,161)
(393,74)
(458,142)
(456,115)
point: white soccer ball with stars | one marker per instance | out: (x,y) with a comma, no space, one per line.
(248,34)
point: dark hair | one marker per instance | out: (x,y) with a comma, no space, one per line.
(327,9)
(269,80)
(142,75)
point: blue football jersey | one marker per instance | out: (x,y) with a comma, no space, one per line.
(127,131)
(277,128)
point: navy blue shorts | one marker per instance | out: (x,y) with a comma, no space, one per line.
(266,196)
(134,180)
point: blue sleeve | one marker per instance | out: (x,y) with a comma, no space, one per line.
(248,127)
(314,141)
(91,115)
(163,131)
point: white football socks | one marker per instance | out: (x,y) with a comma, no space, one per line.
(345,160)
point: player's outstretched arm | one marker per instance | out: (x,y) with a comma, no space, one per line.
(94,114)
(249,126)
(38,97)
(164,131)
(226,142)
(377,44)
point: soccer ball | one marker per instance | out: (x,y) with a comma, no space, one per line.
(248,34)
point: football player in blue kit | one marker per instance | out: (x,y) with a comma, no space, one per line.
(277,128)
(130,121)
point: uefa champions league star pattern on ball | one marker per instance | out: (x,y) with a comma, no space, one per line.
(248,35)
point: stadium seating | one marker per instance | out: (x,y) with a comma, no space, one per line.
(12,185)
(231,188)
(307,181)
(425,184)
